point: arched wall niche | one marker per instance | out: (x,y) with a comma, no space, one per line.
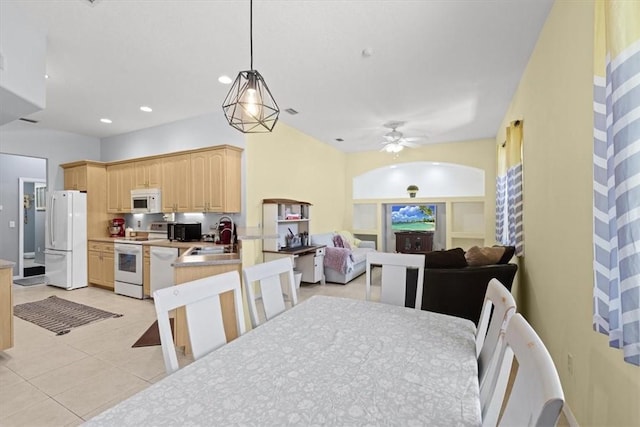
(434,179)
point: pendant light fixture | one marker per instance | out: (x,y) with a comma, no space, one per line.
(249,105)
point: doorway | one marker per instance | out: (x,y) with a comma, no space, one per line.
(32,216)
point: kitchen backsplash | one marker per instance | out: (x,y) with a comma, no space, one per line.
(142,222)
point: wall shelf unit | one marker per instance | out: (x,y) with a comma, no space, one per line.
(282,216)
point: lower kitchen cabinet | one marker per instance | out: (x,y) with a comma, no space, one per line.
(101,267)
(146,272)
(6,306)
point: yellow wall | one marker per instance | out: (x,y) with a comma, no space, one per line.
(478,153)
(555,100)
(291,165)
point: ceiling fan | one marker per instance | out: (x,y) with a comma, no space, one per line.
(395,141)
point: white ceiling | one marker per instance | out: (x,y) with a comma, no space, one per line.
(447,68)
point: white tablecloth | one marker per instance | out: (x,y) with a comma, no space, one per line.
(330,361)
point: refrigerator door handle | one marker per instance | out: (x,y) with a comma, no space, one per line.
(51,220)
(46,252)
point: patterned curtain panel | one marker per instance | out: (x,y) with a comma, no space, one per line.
(509,229)
(616,171)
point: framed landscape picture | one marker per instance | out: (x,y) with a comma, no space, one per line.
(420,217)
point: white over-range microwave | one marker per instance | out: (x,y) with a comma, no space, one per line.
(146,200)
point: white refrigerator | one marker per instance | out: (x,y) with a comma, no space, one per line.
(65,252)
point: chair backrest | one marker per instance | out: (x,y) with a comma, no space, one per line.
(497,309)
(268,275)
(203,313)
(536,398)
(394,276)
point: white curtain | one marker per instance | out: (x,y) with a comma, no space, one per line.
(616,170)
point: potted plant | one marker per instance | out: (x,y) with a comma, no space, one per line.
(412,190)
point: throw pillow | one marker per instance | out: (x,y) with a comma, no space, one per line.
(484,256)
(509,252)
(348,237)
(338,242)
(452,258)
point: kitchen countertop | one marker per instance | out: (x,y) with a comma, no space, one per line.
(188,260)
(156,242)
(6,264)
(185,260)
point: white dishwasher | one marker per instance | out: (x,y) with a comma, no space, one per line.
(161,269)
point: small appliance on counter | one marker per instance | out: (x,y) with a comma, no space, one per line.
(226,230)
(208,237)
(116,227)
(184,232)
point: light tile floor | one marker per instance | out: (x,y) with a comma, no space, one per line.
(49,380)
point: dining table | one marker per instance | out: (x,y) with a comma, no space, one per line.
(326,361)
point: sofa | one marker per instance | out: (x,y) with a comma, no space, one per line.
(343,264)
(452,286)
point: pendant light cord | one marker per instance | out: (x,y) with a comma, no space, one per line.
(251,31)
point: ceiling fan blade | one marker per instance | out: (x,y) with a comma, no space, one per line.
(415,138)
(409,144)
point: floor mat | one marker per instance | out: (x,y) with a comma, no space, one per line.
(30,281)
(152,335)
(59,315)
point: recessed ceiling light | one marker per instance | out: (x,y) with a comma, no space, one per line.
(146,109)
(105,120)
(225,80)
(436,164)
(46,76)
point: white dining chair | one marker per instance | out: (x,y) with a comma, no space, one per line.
(536,398)
(497,309)
(268,278)
(394,276)
(203,314)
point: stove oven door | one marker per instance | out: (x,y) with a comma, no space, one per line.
(128,263)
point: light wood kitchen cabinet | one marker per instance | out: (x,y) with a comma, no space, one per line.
(148,174)
(119,185)
(176,171)
(215,180)
(93,177)
(6,305)
(101,264)
(75,178)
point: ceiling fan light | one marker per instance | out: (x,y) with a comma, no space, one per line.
(393,147)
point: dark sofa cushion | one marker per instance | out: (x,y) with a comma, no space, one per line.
(452,258)
(458,291)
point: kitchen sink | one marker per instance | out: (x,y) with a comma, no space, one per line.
(207,250)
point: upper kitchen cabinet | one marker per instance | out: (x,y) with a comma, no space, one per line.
(91,177)
(215,180)
(148,174)
(176,171)
(75,178)
(119,185)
